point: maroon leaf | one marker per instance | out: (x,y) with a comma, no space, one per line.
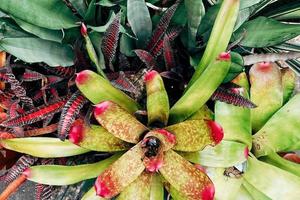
(161,28)
(69,114)
(63,72)
(32,76)
(147,58)
(41,131)
(3,77)
(43,192)
(34,115)
(18,90)
(123,83)
(23,163)
(231,97)
(12,112)
(168,54)
(110,40)
(171,34)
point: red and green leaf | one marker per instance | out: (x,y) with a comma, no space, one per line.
(119,122)
(186,178)
(168,54)
(194,135)
(121,173)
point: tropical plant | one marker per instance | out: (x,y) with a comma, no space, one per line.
(161,97)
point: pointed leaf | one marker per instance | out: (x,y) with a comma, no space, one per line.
(69,113)
(121,173)
(95,138)
(140,21)
(118,122)
(97,89)
(43,147)
(161,27)
(194,135)
(67,175)
(41,131)
(157,98)
(203,113)
(186,178)
(91,195)
(38,11)
(254,192)
(288,83)
(147,58)
(110,40)
(256,36)
(168,54)
(225,154)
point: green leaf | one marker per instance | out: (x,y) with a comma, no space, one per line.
(195,12)
(272,181)
(225,154)
(263,32)
(67,175)
(43,147)
(37,50)
(43,33)
(80,6)
(9,29)
(248,3)
(52,14)
(139,19)
(90,14)
(91,195)
(226,187)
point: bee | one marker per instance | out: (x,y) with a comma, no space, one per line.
(151,144)
(233,172)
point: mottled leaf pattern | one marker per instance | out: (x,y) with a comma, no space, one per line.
(147,58)
(168,54)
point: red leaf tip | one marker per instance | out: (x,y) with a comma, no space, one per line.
(150,75)
(246,152)
(264,66)
(208,192)
(76,134)
(153,164)
(170,137)
(216,131)
(82,77)
(83,30)
(224,56)
(102,189)
(27,172)
(101,107)
(200,167)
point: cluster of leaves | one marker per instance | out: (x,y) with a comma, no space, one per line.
(51,40)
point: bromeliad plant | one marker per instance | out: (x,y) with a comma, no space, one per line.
(168,138)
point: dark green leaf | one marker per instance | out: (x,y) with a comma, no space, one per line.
(9,29)
(195,11)
(37,50)
(80,6)
(139,19)
(43,33)
(263,32)
(52,14)
(90,14)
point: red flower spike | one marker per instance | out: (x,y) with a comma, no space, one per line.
(76,134)
(246,152)
(150,75)
(208,193)
(216,131)
(82,77)
(83,30)
(102,107)
(225,56)
(170,137)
